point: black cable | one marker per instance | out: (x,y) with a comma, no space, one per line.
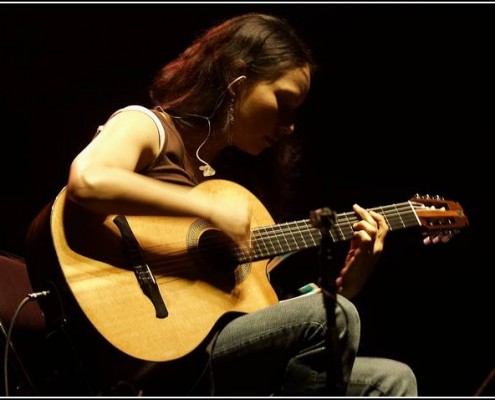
(28,298)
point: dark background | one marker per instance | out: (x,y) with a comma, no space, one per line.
(400,106)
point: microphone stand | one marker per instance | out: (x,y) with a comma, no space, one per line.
(324,219)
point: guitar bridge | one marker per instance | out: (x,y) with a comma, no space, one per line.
(142,271)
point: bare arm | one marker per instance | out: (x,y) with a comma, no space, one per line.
(105,178)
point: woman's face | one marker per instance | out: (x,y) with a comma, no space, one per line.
(267,111)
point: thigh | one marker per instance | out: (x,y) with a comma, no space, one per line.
(252,351)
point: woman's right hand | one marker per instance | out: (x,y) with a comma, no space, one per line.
(232,215)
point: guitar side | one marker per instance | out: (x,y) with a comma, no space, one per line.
(90,254)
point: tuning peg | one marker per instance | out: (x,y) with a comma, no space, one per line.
(446,238)
(450,234)
(443,237)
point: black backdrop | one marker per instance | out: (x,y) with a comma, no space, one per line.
(399,107)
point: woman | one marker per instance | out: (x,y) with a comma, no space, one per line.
(238,86)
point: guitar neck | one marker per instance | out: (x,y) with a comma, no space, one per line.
(273,240)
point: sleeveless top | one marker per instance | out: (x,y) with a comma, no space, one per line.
(172,163)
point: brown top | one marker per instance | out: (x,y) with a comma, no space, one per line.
(172,164)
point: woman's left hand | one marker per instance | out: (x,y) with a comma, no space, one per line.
(366,247)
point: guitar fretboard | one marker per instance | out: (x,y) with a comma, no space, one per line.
(273,240)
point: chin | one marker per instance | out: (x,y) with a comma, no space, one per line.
(260,150)
(254,151)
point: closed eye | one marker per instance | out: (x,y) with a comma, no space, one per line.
(287,114)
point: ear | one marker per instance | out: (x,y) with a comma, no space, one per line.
(232,85)
(238,76)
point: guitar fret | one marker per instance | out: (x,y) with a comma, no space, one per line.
(348,224)
(340,232)
(273,239)
(293,241)
(294,230)
(285,237)
(400,218)
(316,236)
(382,212)
(277,237)
(258,239)
(258,243)
(307,228)
(332,230)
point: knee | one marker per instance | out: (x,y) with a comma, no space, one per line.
(405,382)
(373,376)
(349,321)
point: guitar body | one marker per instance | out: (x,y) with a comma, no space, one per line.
(197,290)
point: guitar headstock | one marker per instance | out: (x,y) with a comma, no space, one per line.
(440,219)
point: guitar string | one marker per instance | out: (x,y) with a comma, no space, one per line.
(270,234)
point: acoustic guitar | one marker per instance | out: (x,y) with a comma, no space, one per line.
(154,287)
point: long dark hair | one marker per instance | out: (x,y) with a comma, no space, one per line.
(262,47)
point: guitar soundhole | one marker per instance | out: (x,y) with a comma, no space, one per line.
(218,250)
(216,254)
